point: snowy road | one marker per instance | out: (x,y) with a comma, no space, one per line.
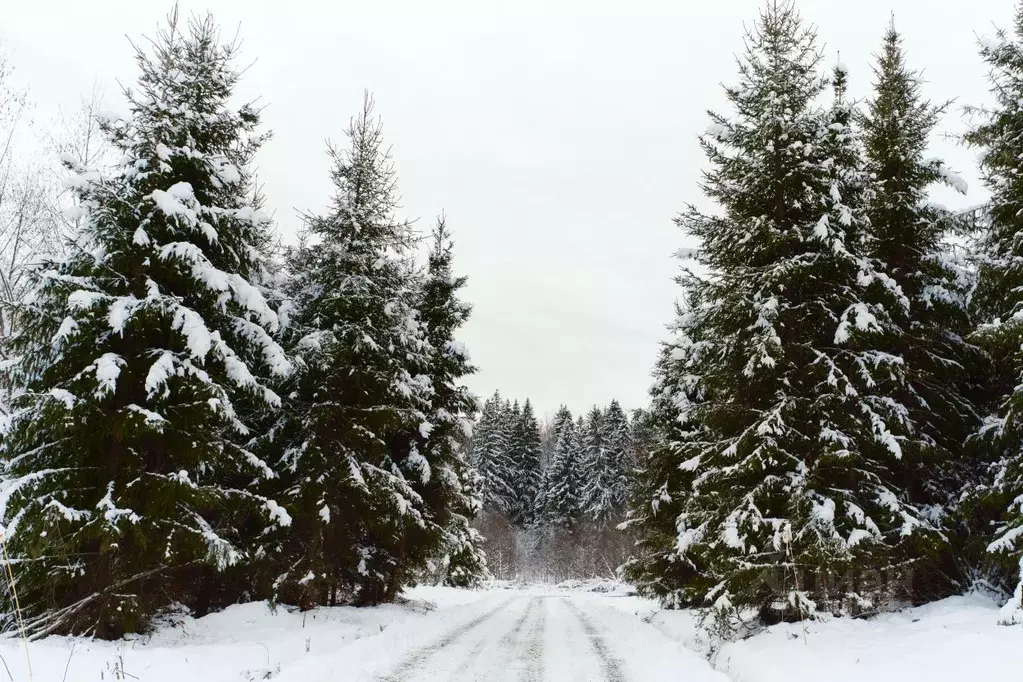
(530,634)
(525,637)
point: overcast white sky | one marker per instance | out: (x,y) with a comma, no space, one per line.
(559,137)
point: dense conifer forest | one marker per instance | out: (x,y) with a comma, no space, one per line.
(197,412)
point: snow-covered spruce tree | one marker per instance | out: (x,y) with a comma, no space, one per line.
(351,467)
(465,559)
(998,301)
(511,424)
(452,493)
(578,478)
(512,416)
(610,473)
(562,497)
(595,466)
(546,460)
(548,440)
(591,440)
(143,362)
(796,498)
(490,457)
(907,235)
(643,433)
(526,455)
(661,485)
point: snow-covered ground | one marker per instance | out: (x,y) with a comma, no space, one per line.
(951,640)
(577,631)
(244,642)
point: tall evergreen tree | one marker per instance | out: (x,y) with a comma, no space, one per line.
(511,424)
(144,361)
(999,305)
(490,457)
(512,414)
(662,483)
(548,441)
(452,490)
(353,471)
(610,473)
(594,465)
(907,236)
(799,430)
(578,471)
(562,504)
(526,456)
(644,434)
(464,557)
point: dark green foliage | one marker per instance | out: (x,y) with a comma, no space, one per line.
(645,435)
(492,458)
(658,490)
(451,492)
(607,458)
(907,236)
(998,501)
(526,451)
(561,501)
(352,470)
(465,562)
(790,422)
(593,490)
(144,360)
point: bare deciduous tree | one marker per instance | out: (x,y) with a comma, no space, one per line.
(26,224)
(37,217)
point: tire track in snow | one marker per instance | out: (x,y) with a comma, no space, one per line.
(416,660)
(508,640)
(532,647)
(506,648)
(609,664)
(470,657)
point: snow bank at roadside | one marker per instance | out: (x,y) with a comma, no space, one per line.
(951,640)
(604,586)
(597,585)
(243,642)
